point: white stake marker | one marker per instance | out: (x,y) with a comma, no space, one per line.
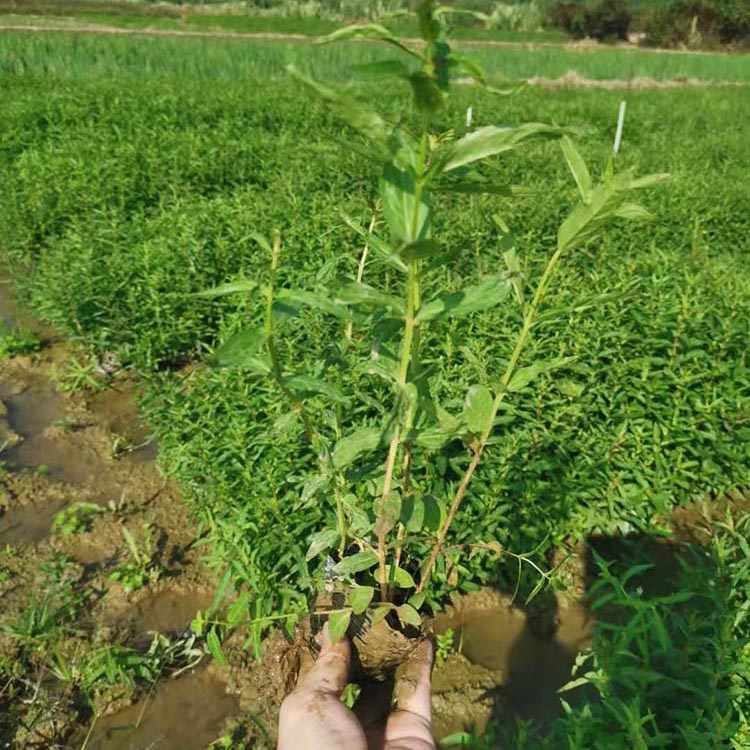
(469,113)
(620,123)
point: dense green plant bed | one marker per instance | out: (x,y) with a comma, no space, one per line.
(76,56)
(125,196)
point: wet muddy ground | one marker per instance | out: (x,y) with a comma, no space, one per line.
(58,449)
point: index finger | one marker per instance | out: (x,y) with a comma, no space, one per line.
(408,727)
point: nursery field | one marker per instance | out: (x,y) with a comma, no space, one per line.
(137,172)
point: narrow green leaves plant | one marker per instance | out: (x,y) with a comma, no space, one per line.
(390,530)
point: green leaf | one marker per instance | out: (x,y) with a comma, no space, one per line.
(387,513)
(434,513)
(214,647)
(322,540)
(241,350)
(409,616)
(492,140)
(417,600)
(513,265)
(359,598)
(604,204)
(239,610)
(304,384)
(379,246)
(355,113)
(380,613)
(648,181)
(369,298)
(400,577)
(577,166)
(478,408)
(525,375)
(633,211)
(351,447)
(338,622)
(356,563)
(322,301)
(241,286)
(487,294)
(367,31)
(419,250)
(398,195)
(412,513)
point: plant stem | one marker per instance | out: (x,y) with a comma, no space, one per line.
(480,445)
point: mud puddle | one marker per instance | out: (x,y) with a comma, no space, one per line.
(183,714)
(28,524)
(169,611)
(503,667)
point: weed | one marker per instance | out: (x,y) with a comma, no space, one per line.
(141,569)
(445,646)
(15,342)
(75,518)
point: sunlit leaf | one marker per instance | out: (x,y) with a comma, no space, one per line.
(241,350)
(492,140)
(338,622)
(577,166)
(359,598)
(487,294)
(478,408)
(407,217)
(367,31)
(241,286)
(356,563)
(320,541)
(305,384)
(368,297)
(408,615)
(316,300)
(387,513)
(400,577)
(350,447)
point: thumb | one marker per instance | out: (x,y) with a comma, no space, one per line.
(408,727)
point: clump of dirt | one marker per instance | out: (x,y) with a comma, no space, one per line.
(377,649)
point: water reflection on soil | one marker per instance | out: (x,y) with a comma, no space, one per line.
(183,714)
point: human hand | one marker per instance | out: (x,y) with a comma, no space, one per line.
(313,717)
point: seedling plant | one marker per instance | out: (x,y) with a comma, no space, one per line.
(389,534)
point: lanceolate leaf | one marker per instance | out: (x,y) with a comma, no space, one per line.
(241,350)
(359,598)
(368,297)
(407,221)
(492,140)
(357,562)
(605,203)
(420,250)
(351,447)
(478,408)
(321,541)
(379,246)
(317,300)
(577,167)
(367,31)
(338,622)
(492,291)
(241,286)
(302,384)
(355,113)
